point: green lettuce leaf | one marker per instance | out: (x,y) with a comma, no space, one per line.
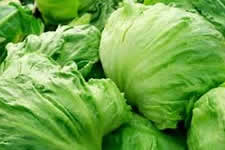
(16,22)
(140,134)
(185,4)
(67,44)
(44,106)
(101,11)
(163,59)
(85,4)
(213,11)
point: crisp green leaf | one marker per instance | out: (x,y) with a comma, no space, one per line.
(213,11)
(185,4)
(16,23)
(85,4)
(79,44)
(84,19)
(101,11)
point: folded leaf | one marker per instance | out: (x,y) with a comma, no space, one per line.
(16,22)
(79,44)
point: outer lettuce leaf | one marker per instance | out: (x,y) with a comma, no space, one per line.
(85,4)
(207,126)
(212,10)
(140,134)
(101,11)
(16,23)
(163,59)
(79,44)
(44,106)
(186,4)
(84,19)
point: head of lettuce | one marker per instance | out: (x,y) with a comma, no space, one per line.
(207,126)
(163,59)
(44,106)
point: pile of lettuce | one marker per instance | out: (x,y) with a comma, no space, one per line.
(45,102)
(112,75)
